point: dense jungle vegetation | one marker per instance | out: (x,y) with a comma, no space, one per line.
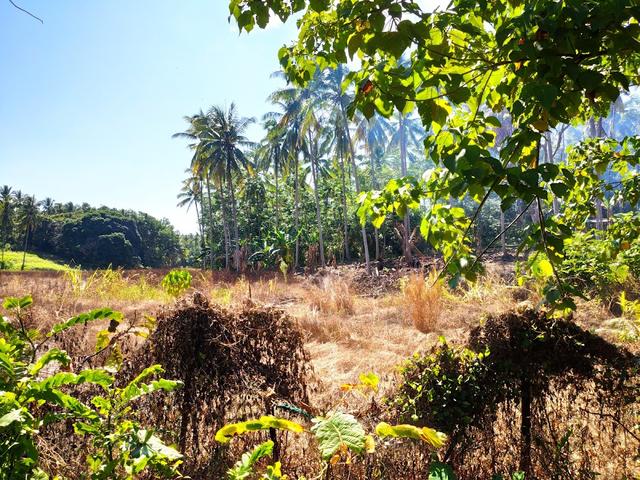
(407,144)
(85,236)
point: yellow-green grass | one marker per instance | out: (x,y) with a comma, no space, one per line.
(32,262)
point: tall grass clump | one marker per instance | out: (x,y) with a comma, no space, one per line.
(333,295)
(423,300)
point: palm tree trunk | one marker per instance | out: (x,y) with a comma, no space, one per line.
(211,260)
(374,183)
(314,175)
(24,250)
(296,211)
(234,221)
(403,168)
(275,168)
(225,226)
(198,218)
(347,254)
(357,182)
(201,225)
(503,239)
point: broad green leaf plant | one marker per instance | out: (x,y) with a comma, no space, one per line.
(34,375)
(340,436)
(176,282)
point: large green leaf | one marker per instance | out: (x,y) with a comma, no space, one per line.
(96,377)
(11,417)
(12,303)
(429,435)
(85,318)
(244,467)
(225,434)
(136,388)
(338,430)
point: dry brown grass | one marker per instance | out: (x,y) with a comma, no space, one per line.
(423,300)
(333,295)
(345,333)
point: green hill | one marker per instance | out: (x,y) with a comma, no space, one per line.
(32,262)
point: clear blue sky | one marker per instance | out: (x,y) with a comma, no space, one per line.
(89,100)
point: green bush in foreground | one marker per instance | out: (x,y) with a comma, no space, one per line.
(33,395)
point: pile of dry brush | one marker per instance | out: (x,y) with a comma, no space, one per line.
(549,399)
(234,366)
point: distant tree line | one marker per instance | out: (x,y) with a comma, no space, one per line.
(87,236)
(291,199)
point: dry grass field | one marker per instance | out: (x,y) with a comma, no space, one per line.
(347,332)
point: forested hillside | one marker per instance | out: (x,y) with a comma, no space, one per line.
(86,236)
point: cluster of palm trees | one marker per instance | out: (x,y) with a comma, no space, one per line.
(312,151)
(19,216)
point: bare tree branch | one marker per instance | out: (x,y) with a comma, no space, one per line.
(26,11)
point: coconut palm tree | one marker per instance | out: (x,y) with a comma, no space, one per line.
(374,134)
(227,153)
(340,147)
(29,216)
(18,198)
(190,194)
(314,132)
(293,105)
(6,207)
(273,153)
(330,92)
(48,205)
(200,133)
(407,137)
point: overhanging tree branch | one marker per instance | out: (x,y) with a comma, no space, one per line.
(26,11)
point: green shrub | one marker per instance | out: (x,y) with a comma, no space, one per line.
(446,388)
(7,264)
(595,263)
(176,282)
(34,395)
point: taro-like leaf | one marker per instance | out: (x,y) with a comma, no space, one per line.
(337,430)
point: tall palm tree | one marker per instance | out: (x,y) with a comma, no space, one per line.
(407,138)
(293,105)
(18,197)
(374,134)
(200,133)
(29,217)
(5,215)
(340,146)
(331,93)
(48,205)
(190,194)
(314,133)
(226,149)
(273,153)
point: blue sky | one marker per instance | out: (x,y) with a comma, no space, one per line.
(89,100)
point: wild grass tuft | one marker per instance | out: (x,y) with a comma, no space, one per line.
(423,300)
(333,295)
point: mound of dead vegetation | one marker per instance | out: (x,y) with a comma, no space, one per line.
(234,365)
(529,393)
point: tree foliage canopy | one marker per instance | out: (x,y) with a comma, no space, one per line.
(542,62)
